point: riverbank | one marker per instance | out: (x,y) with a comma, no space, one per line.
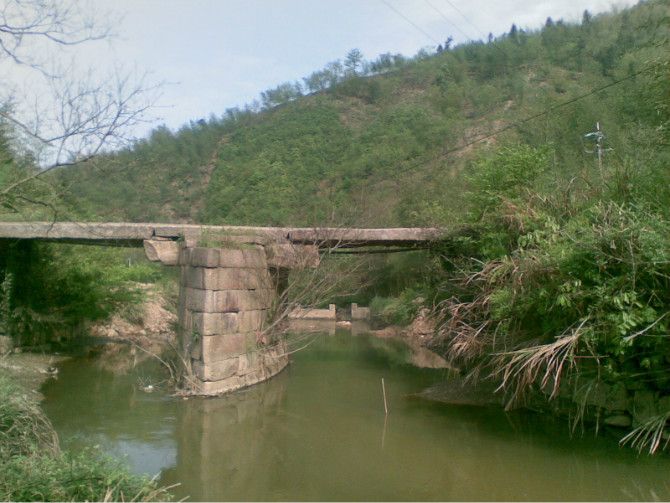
(30,370)
(635,415)
(32,465)
(150,328)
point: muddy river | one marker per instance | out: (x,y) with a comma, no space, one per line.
(319,432)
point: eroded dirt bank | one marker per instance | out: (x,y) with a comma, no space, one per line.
(150,330)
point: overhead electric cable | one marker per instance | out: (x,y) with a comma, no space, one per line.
(504,54)
(409,21)
(447,19)
(468,21)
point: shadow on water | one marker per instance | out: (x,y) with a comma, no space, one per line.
(318,432)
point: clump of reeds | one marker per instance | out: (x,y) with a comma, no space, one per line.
(24,428)
(543,364)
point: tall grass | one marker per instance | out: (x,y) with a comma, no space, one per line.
(33,468)
(24,428)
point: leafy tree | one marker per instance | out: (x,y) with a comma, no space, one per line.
(353,60)
(514,34)
(281,95)
(318,81)
(507,176)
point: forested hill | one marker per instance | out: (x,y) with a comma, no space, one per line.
(392,141)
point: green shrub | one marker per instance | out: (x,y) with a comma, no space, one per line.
(560,289)
(506,176)
(399,310)
(48,291)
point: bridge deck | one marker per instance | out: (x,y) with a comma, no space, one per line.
(134,234)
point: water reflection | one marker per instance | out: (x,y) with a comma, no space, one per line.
(318,432)
(93,403)
(229,445)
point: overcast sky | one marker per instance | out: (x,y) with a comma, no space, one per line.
(218,54)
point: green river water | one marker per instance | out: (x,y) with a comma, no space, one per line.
(318,432)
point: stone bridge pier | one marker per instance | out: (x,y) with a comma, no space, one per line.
(229,292)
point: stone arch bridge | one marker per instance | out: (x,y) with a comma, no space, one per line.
(230,278)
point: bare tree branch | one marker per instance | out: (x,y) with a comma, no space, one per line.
(310,286)
(87,121)
(25,23)
(74,116)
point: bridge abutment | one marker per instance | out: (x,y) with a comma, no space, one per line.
(226,295)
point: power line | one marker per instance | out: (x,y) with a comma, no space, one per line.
(409,21)
(447,19)
(468,21)
(545,112)
(504,54)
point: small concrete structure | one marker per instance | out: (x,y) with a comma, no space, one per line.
(359,313)
(314,314)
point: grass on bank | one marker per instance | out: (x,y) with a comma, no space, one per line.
(33,468)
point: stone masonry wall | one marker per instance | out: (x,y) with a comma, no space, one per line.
(225,297)
(616,405)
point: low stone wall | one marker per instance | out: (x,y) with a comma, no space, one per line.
(314,314)
(615,405)
(225,297)
(359,313)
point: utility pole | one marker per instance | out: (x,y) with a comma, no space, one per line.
(599,137)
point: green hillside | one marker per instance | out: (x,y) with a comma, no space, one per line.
(389,145)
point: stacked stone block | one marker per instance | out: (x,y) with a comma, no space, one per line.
(225,296)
